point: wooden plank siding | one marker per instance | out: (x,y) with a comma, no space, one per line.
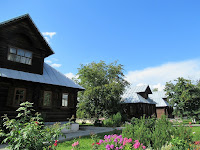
(34,93)
(138,110)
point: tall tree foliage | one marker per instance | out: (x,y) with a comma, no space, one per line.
(184,97)
(104,84)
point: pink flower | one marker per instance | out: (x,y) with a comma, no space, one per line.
(100,141)
(121,147)
(130,140)
(144,147)
(107,146)
(136,145)
(112,146)
(136,141)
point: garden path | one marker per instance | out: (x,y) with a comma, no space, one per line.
(83,131)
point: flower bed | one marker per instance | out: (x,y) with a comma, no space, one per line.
(113,142)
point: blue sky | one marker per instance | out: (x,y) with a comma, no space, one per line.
(155,40)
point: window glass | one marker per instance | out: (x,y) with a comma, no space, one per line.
(19,96)
(13,50)
(20,55)
(20,52)
(47,98)
(28,54)
(65,99)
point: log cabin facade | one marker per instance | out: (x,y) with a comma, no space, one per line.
(136,102)
(24,76)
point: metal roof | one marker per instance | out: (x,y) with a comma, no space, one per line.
(133,98)
(138,89)
(158,98)
(131,95)
(49,76)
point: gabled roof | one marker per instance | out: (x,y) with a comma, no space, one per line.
(159,97)
(27,17)
(131,95)
(50,76)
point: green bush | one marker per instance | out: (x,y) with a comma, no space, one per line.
(128,131)
(113,121)
(162,132)
(27,132)
(138,130)
(156,133)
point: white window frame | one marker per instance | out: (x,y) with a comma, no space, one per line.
(65,100)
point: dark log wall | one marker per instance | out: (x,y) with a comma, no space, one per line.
(22,35)
(139,109)
(34,93)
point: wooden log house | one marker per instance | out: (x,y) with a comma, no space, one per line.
(24,76)
(136,102)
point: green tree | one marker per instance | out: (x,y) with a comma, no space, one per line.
(155,89)
(183,96)
(104,84)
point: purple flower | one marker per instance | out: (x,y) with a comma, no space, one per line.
(100,141)
(107,146)
(116,140)
(112,146)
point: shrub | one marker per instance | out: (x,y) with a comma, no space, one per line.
(162,132)
(113,121)
(28,132)
(138,130)
(156,133)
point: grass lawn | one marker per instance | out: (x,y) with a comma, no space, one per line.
(85,142)
(196,135)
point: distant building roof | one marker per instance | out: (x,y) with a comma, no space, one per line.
(49,76)
(131,95)
(158,97)
(138,89)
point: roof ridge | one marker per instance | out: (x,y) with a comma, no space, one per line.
(15,18)
(31,20)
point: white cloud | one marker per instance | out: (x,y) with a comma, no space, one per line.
(157,76)
(49,34)
(70,75)
(48,61)
(56,65)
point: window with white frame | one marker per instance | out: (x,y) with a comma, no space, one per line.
(20,55)
(65,97)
